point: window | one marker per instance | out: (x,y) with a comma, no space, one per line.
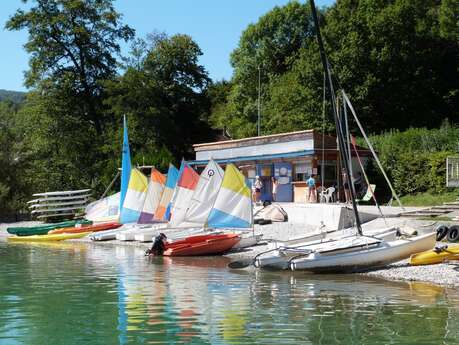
(302,171)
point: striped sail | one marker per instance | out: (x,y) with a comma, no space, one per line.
(125,164)
(233,206)
(184,191)
(171,181)
(154,193)
(106,207)
(204,195)
(135,197)
(167,216)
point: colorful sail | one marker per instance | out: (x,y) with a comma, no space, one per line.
(167,216)
(233,206)
(171,182)
(125,164)
(185,187)
(103,208)
(204,195)
(154,193)
(135,197)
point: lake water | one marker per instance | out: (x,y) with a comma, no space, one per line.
(74,293)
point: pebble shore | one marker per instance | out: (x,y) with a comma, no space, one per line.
(446,274)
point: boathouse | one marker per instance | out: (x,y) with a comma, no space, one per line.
(289,157)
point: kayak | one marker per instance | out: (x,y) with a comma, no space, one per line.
(43,229)
(45,238)
(88,228)
(436,255)
(202,245)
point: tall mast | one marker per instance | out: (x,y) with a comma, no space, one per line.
(339,132)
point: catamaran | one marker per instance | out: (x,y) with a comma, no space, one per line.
(344,253)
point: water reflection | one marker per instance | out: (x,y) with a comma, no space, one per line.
(86,294)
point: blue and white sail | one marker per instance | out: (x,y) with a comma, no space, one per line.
(125,164)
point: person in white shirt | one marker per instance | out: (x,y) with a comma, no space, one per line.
(256,189)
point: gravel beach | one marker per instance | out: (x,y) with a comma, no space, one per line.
(446,274)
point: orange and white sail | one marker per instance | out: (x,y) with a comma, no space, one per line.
(154,193)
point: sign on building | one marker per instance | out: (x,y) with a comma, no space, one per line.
(452,172)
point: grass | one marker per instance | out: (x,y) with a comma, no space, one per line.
(429,199)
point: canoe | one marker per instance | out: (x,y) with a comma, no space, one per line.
(354,258)
(43,229)
(436,255)
(202,245)
(46,238)
(88,228)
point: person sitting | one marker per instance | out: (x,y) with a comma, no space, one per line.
(158,247)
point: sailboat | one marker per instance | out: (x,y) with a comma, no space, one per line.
(219,204)
(349,253)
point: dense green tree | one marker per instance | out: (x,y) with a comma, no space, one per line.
(73,47)
(393,61)
(11,161)
(73,44)
(269,49)
(164,95)
(396,59)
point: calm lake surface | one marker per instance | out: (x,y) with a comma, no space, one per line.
(74,293)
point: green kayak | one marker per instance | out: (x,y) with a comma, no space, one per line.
(43,229)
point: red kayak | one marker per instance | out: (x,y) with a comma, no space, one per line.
(92,228)
(202,245)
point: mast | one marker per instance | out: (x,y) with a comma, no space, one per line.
(341,143)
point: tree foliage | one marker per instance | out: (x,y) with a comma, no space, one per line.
(396,59)
(164,95)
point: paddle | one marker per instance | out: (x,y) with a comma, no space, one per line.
(240,263)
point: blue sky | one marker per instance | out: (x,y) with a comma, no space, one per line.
(215,25)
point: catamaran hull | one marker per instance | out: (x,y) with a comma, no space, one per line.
(364,258)
(277,259)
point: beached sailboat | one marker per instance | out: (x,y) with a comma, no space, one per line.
(351,253)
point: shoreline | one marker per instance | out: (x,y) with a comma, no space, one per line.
(445,274)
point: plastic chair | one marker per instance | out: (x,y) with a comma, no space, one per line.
(327,195)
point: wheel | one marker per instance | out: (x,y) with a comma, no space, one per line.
(453,234)
(442,231)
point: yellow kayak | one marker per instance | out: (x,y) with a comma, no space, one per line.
(45,238)
(436,255)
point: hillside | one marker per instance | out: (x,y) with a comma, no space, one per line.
(14,96)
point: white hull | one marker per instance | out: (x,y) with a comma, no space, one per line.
(129,235)
(247,241)
(349,260)
(171,233)
(280,253)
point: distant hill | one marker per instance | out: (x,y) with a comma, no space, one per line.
(13,96)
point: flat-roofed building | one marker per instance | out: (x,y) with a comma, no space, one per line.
(289,157)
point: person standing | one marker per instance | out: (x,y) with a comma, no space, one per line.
(311,182)
(256,189)
(274,187)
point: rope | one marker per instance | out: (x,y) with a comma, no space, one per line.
(367,180)
(394,194)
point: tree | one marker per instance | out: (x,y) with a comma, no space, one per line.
(72,43)
(73,47)
(271,46)
(393,61)
(164,95)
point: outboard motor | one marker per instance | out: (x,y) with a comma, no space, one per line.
(158,247)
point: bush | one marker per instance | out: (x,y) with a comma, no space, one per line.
(415,160)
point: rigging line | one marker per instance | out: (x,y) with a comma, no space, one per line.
(394,194)
(326,67)
(368,181)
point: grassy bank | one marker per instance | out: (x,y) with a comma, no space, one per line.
(430,199)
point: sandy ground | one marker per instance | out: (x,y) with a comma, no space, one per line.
(442,274)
